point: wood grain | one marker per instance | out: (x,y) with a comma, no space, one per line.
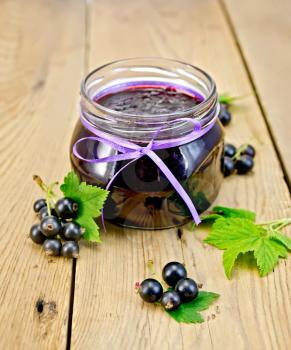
(41,64)
(252,312)
(263,28)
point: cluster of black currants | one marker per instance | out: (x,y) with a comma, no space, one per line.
(182,289)
(240,160)
(57,225)
(224,114)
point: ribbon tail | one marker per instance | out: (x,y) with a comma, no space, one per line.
(178,187)
(109,184)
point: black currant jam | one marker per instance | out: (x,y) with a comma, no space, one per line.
(141,196)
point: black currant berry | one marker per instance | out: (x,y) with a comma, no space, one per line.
(39,204)
(150,290)
(229,150)
(70,250)
(52,247)
(228,166)
(224,115)
(244,164)
(173,272)
(66,208)
(44,212)
(50,226)
(72,231)
(36,235)
(171,300)
(249,150)
(187,289)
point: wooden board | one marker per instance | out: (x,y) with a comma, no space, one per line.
(263,30)
(252,312)
(41,64)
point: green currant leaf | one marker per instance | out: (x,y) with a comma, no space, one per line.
(190,312)
(241,235)
(224,212)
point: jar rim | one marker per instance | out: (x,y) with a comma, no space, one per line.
(166,116)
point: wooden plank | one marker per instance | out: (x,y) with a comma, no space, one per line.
(263,29)
(252,312)
(41,63)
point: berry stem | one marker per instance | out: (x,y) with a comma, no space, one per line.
(239,151)
(151,267)
(48,189)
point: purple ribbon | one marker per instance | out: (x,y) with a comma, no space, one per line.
(131,151)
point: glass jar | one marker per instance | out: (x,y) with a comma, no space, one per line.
(132,99)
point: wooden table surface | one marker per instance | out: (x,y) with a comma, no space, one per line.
(46,47)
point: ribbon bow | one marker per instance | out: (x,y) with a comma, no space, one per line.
(131,151)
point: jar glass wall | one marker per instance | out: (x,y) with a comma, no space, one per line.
(132,99)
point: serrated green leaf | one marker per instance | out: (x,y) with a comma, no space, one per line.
(285,240)
(267,254)
(71,184)
(190,312)
(224,212)
(233,232)
(91,200)
(238,236)
(91,228)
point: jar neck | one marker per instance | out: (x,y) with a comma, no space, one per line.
(141,127)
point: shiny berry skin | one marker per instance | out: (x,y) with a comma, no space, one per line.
(72,231)
(44,212)
(228,166)
(171,300)
(249,151)
(173,272)
(70,250)
(224,115)
(229,150)
(39,204)
(36,235)
(244,164)
(187,289)
(150,290)
(66,208)
(52,247)
(50,226)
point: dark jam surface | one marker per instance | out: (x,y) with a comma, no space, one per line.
(140,195)
(142,100)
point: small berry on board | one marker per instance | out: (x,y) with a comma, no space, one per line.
(66,208)
(72,231)
(239,160)
(36,235)
(171,300)
(150,290)
(229,150)
(249,150)
(50,226)
(224,114)
(183,303)
(173,272)
(39,204)
(187,289)
(228,166)
(52,247)
(244,164)
(70,250)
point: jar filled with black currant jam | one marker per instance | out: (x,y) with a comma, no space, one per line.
(167,106)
